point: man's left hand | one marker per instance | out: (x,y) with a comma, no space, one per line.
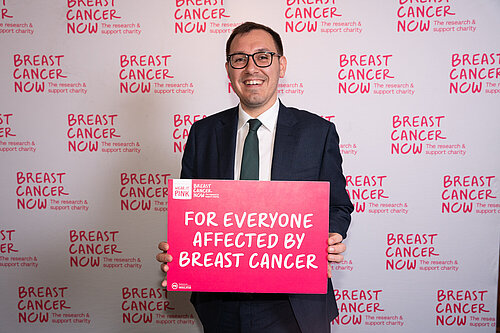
(335,250)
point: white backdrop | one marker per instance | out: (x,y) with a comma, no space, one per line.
(97,100)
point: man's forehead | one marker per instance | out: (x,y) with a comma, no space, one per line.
(257,40)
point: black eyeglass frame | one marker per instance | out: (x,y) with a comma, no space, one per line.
(228,58)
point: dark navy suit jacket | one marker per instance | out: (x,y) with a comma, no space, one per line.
(306,148)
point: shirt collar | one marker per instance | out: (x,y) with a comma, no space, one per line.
(268,118)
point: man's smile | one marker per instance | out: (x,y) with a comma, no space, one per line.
(253,82)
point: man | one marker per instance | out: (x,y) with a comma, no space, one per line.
(292,145)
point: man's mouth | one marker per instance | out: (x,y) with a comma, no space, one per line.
(253,82)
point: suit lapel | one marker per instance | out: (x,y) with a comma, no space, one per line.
(284,142)
(226,143)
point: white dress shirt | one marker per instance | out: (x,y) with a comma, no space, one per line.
(265,133)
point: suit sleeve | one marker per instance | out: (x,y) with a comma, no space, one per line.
(331,170)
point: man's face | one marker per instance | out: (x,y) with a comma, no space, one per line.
(255,86)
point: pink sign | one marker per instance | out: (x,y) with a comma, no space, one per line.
(248,236)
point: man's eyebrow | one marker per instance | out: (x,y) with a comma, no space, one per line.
(263,49)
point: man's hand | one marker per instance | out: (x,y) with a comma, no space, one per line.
(164,258)
(335,250)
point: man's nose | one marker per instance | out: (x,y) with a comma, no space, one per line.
(251,66)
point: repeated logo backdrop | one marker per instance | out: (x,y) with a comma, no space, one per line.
(98,97)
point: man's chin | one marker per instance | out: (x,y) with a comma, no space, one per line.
(255,105)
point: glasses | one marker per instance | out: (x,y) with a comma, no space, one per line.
(260,59)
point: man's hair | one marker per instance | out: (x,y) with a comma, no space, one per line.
(249,26)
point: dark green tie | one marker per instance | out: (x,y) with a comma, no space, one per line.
(250,159)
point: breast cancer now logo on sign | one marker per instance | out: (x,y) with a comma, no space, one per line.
(182,189)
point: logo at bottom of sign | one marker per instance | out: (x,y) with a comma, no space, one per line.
(180,286)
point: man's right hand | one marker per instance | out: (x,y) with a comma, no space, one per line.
(164,258)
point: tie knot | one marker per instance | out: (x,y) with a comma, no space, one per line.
(254,124)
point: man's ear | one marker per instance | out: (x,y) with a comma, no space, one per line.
(282,66)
